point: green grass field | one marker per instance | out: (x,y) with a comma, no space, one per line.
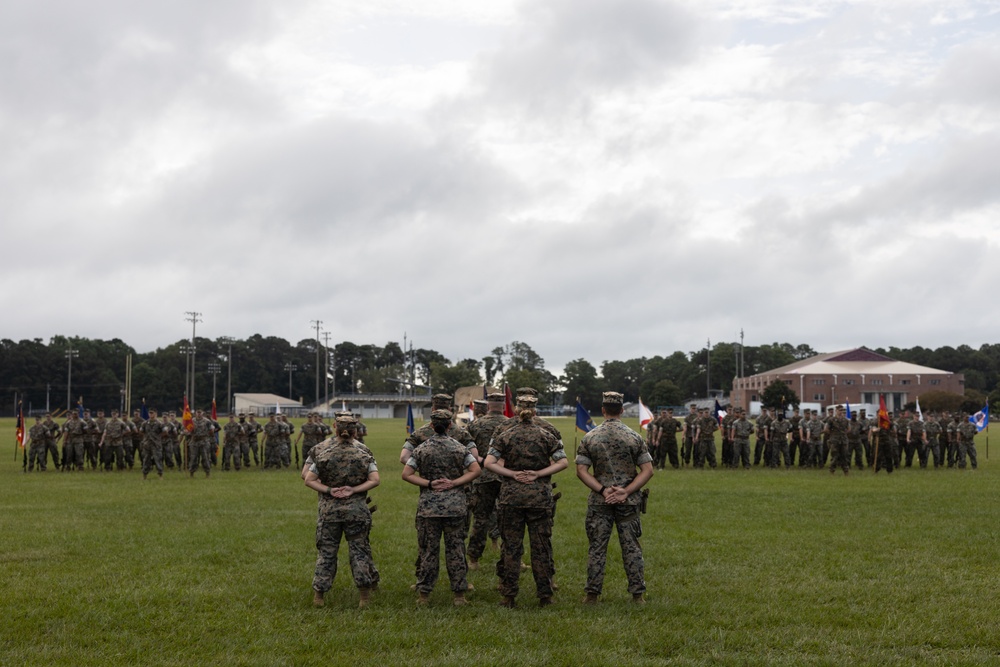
(743,567)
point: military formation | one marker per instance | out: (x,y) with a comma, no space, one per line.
(163,442)
(493,478)
(813,440)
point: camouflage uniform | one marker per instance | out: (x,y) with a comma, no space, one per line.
(486,487)
(90,438)
(690,423)
(231,449)
(74,428)
(36,452)
(778,436)
(285,449)
(113,449)
(312,434)
(952,431)
(615,452)
(914,439)
(882,446)
(967,444)
(931,448)
(201,445)
(814,442)
(795,447)
(840,455)
(137,438)
(51,436)
(526,446)
(338,463)
(727,444)
(666,447)
(742,429)
(854,441)
(253,429)
(763,423)
(272,444)
(152,445)
(902,426)
(705,450)
(441,513)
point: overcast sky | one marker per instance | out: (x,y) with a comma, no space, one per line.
(602,179)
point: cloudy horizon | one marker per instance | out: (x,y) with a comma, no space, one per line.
(600,180)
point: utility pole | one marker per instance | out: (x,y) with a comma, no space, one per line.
(186,350)
(70,353)
(741,352)
(318,324)
(291,368)
(193,317)
(326,370)
(708,371)
(229,340)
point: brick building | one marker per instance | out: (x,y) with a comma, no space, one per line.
(856,376)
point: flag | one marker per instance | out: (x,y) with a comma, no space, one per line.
(583,421)
(645,416)
(144,411)
(19,429)
(79,407)
(508,402)
(883,414)
(277,408)
(718,412)
(982,418)
(409,418)
(186,418)
(920,415)
(849,410)
(215,417)
(472,411)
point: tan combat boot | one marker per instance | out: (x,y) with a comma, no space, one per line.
(423,600)
(460,600)
(365,597)
(318,598)
(507,602)
(590,599)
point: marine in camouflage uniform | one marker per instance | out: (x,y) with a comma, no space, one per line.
(530,457)
(795,445)
(621,467)
(53,433)
(931,447)
(36,445)
(285,449)
(763,423)
(902,426)
(854,448)
(173,439)
(777,435)
(813,438)
(740,433)
(152,444)
(113,442)
(90,438)
(310,434)
(665,438)
(727,444)
(486,487)
(967,442)
(232,453)
(201,444)
(137,438)
(253,429)
(342,471)
(865,424)
(441,467)
(952,431)
(916,443)
(705,440)
(690,425)
(73,429)
(883,437)
(272,442)
(840,455)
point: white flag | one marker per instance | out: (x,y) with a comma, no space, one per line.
(645,416)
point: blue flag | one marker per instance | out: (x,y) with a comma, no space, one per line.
(982,418)
(409,418)
(144,411)
(79,407)
(583,420)
(848,409)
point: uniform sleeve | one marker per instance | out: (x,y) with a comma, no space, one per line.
(412,462)
(583,454)
(469,460)
(557,452)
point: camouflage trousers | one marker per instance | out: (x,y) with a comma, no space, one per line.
(36,453)
(359,552)
(883,454)
(741,453)
(72,455)
(200,452)
(929,450)
(51,448)
(840,454)
(90,448)
(112,454)
(231,453)
(705,451)
(272,455)
(251,446)
(601,519)
(666,449)
(484,511)
(452,528)
(152,454)
(538,521)
(285,454)
(967,448)
(855,451)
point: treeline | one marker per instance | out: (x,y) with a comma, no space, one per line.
(36,372)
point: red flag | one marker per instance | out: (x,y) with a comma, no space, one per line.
(186,418)
(215,417)
(508,402)
(19,429)
(883,414)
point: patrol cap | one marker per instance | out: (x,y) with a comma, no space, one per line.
(526,391)
(345,420)
(241,415)
(441,400)
(441,416)
(496,397)
(341,413)
(527,401)
(479,401)
(612,398)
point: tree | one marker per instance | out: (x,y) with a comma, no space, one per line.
(779,396)
(446,379)
(664,392)
(940,401)
(579,380)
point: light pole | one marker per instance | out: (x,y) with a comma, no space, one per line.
(229,340)
(214,369)
(291,368)
(326,370)
(193,317)
(188,352)
(70,353)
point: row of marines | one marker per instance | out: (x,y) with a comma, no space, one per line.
(497,471)
(815,440)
